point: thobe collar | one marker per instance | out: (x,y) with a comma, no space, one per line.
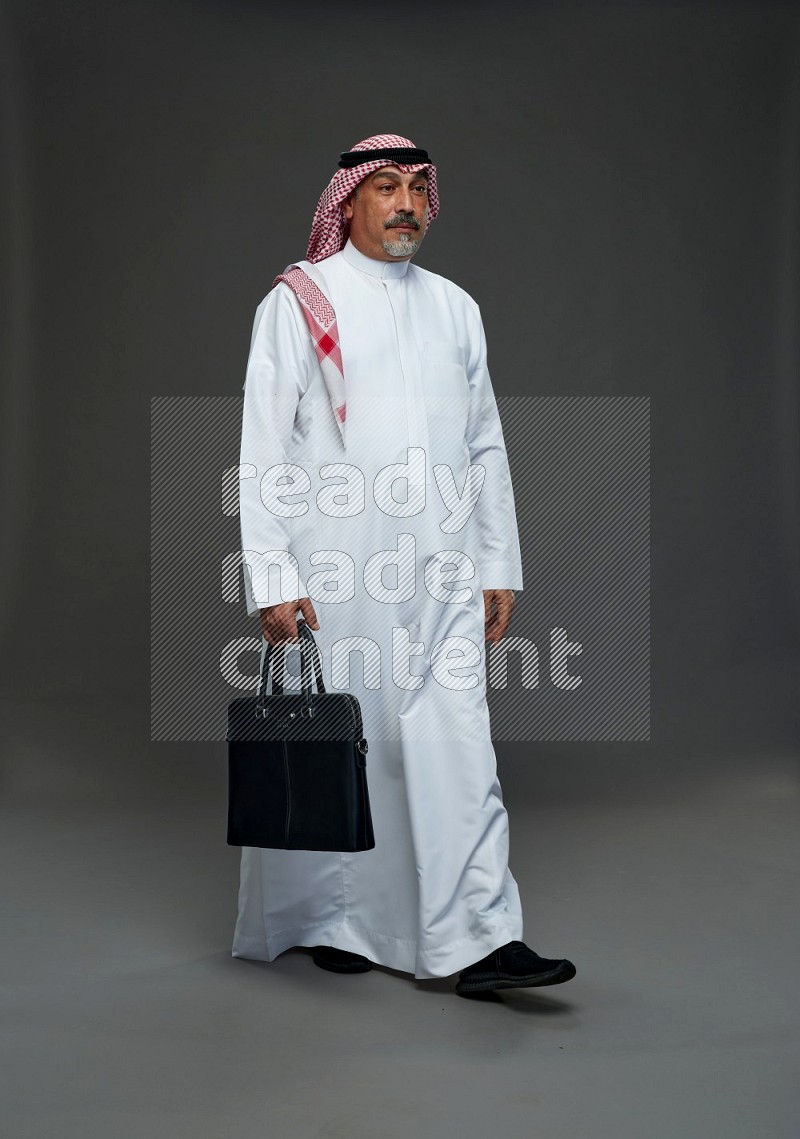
(371,265)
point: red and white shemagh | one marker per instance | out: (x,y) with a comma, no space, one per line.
(330,228)
(329,233)
(321,321)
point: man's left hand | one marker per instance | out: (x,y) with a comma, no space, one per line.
(497,604)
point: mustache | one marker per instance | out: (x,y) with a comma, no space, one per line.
(401,219)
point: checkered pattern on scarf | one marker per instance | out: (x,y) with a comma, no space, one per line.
(321,321)
(330,228)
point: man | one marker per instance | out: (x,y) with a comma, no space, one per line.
(373,373)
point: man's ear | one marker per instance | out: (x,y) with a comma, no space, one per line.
(347,205)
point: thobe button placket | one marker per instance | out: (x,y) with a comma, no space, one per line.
(397,295)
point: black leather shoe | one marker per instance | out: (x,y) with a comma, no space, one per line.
(339,960)
(511,967)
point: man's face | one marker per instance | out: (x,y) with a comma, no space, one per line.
(389,214)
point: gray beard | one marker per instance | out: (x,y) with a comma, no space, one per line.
(405,246)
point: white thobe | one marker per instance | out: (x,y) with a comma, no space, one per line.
(435,893)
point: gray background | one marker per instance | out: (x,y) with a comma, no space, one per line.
(619,193)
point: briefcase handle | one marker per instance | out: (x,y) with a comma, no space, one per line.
(277,653)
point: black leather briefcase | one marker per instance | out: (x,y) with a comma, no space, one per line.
(297,774)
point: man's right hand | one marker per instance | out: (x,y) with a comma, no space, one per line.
(279,622)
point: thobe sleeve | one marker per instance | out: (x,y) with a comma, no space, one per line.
(278,370)
(495,519)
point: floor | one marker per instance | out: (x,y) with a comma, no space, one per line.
(671,885)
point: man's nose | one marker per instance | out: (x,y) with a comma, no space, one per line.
(404,201)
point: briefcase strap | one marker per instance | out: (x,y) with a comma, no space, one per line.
(277,654)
